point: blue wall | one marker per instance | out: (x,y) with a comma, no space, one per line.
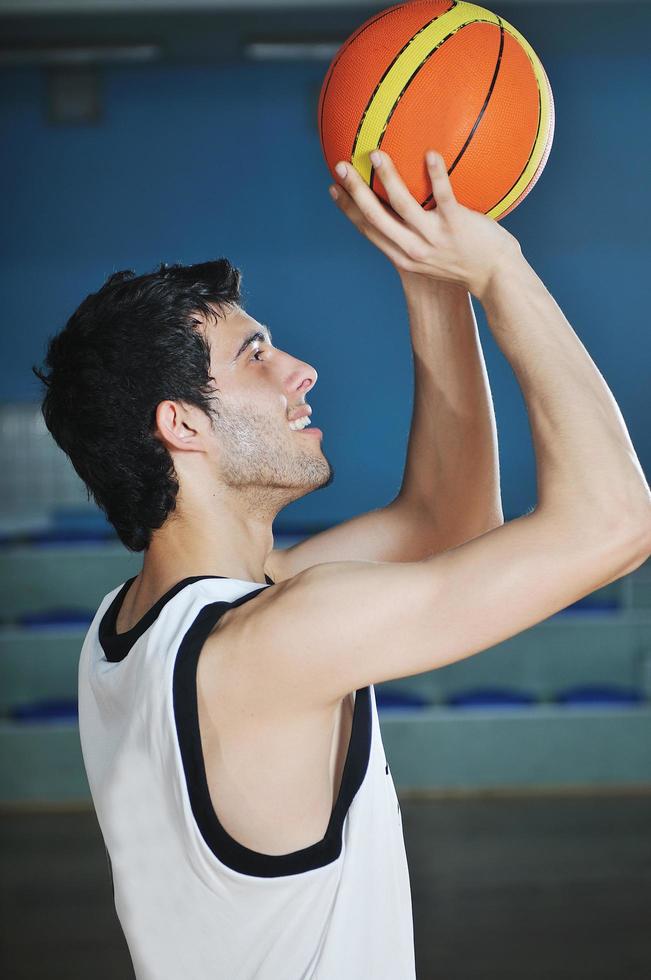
(196,162)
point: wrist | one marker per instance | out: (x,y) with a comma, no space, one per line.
(510,264)
(418,283)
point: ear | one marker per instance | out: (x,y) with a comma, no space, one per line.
(178,426)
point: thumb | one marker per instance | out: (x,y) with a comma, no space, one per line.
(441,186)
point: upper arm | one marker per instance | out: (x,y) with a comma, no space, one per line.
(339,626)
(397,532)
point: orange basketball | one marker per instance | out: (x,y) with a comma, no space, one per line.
(448,76)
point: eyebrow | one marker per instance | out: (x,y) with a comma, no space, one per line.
(257,335)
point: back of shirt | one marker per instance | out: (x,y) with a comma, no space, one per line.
(192,901)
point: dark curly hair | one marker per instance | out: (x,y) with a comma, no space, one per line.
(127,347)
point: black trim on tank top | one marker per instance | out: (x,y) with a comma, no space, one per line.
(230,852)
(117,645)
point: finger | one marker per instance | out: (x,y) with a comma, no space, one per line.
(373,212)
(397,255)
(402,202)
(441,186)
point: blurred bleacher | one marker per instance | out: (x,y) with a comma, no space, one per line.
(566,703)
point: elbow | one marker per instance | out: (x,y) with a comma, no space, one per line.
(626,523)
(645,541)
(636,540)
(617,537)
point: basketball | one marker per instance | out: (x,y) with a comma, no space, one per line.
(448,76)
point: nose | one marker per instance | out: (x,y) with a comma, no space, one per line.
(303,377)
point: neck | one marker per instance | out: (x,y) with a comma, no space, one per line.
(220,539)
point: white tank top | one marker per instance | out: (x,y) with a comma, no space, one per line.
(192,901)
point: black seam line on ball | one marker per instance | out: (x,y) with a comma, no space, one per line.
(410,80)
(535,139)
(336,61)
(418,68)
(387,70)
(480,116)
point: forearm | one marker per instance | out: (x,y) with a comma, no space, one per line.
(585,459)
(452,467)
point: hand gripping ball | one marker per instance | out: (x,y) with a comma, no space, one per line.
(448,76)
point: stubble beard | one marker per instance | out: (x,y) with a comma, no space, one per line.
(254,452)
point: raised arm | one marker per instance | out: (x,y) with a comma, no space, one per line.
(341,625)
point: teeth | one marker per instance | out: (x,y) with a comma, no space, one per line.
(300,423)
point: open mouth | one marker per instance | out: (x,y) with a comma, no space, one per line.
(304,426)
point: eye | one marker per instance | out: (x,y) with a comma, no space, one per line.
(255,355)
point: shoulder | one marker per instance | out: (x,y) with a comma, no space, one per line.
(239,658)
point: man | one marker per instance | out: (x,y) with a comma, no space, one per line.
(226,704)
